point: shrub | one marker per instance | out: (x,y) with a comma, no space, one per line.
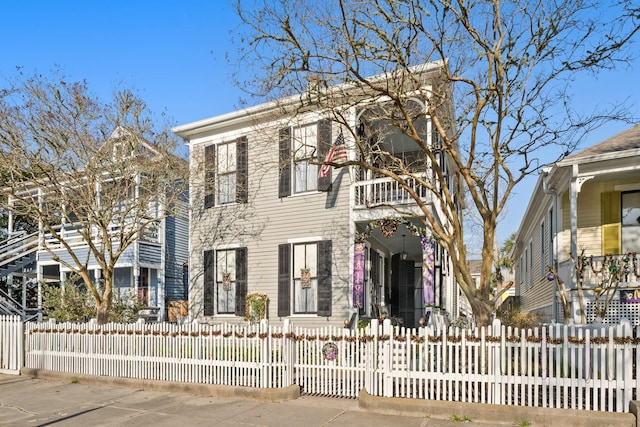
(76,304)
(517,318)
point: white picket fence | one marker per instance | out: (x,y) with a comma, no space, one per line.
(556,367)
(11,345)
(225,354)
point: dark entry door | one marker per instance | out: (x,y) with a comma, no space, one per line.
(403,291)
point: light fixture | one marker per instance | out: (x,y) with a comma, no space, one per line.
(403,255)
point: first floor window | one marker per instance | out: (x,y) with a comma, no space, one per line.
(226,281)
(305,280)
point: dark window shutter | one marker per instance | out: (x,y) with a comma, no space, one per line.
(284,167)
(242,170)
(209,283)
(324,145)
(324,278)
(284,280)
(241,281)
(209,176)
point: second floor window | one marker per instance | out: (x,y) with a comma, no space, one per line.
(305,141)
(299,149)
(226,166)
(226,173)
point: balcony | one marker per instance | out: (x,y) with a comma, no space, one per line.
(387,192)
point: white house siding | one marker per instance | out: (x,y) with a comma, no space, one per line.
(267,221)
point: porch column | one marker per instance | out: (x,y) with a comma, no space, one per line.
(574,190)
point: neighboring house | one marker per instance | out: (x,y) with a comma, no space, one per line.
(152,268)
(323,246)
(583,222)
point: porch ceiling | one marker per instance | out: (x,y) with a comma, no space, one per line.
(394,245)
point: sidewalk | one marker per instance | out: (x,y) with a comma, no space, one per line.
(26,401)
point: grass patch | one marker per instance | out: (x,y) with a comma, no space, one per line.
(460,419)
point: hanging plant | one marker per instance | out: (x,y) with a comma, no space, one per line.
(226,281)
(305,278)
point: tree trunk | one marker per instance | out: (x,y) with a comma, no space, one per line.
(482,311)
(104,306)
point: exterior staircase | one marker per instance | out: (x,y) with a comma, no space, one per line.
(17,256)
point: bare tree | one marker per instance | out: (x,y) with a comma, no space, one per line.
(95,177)
(498,105)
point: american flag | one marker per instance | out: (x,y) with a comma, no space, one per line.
(338,151)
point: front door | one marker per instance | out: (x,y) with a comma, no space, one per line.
(406,293)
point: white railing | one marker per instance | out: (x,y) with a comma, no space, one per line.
(18,246)
(385,191)
(74,238)
(620,268)
(554,367)
(11,344)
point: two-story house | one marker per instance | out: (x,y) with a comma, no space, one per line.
(150,268)
(322,244)
(583,221)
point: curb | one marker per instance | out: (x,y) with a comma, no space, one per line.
(499,414)
(212,390)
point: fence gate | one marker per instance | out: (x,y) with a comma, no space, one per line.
(11,345)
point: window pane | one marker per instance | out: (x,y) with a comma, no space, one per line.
(631,208)
(300,182)
(227,188)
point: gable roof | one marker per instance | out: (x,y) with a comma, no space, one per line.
(624,141)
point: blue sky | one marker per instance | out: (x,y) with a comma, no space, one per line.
(174,55)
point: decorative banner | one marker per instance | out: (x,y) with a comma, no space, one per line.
(226,281)
(629,296)
(358,275)
(428,272)
(305,278)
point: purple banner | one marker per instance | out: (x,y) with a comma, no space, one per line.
(358,275)
(428,272)
(629,296)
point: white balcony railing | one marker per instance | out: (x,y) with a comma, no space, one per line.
(385,191)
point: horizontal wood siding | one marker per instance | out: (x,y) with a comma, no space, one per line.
(267,221)
(177,254)
(149,253)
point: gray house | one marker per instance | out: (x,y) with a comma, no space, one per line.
(319,245)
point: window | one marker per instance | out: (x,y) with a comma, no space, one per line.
(226,166)
(543,259)
(304,278)
(530,266)
(305,174)
(299,148)
(631,208)
(225,281)
(550,250)
(226,171)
